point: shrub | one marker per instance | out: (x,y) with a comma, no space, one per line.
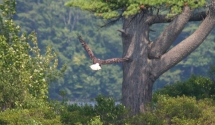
(75,114)
(196,86)
(95,121)
(148,118)
(29,117)
(105,111)
(179,110)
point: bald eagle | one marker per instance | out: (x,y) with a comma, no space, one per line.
(97,62)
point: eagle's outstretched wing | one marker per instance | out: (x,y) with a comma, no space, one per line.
(87,48)
(113,60)
(97,62)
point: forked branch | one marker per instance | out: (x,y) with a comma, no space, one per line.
(170,33)
(184,48)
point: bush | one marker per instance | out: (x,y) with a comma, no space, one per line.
(196,86)
(29,117)
(180,110)
(95,121)
(148,118)
(75,114)
(165,111)
(109,112)
(25,74)
(105,110)
(177,111)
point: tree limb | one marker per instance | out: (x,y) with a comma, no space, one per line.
(199,16)
(170,33)
(111,22)
(184,48)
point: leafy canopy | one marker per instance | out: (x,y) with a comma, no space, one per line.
(25,73)
(116,8)
(79,81)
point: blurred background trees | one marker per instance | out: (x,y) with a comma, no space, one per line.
(57,26)
(31,62)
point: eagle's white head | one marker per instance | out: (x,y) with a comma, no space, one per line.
(95,66)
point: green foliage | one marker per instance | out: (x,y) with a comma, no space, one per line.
(104,112)
(147,118)
(95,121)
(25,74)
(56,26)
(8,8)
(24,70)
(108,111)
(165,111)
(33,116)
(114,8)
(177,111)
(181,103)
(211,72)
(75,114)
(196,86)
(171,107)
(181,110)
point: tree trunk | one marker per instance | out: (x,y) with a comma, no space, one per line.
(137,85)
(149,60)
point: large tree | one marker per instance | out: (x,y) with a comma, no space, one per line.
(151,58)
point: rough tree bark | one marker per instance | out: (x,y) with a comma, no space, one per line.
(144,60)
(150,59)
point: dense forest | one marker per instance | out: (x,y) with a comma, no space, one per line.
(57,26)
(38,39)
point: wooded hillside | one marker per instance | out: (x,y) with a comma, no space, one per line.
(58,26)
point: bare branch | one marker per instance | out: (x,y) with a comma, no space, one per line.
(121,30)
(110,22)
(199,16)
(188,45)
(171,32)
